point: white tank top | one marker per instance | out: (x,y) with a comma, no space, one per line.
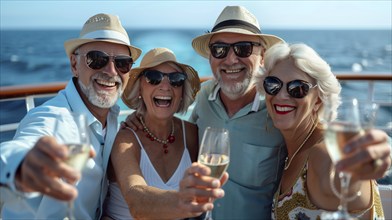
(117,208)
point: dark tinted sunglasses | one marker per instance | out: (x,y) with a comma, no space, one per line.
(296,88)
(241,49)
(154,77)
(99,59)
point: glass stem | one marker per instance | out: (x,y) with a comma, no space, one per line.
(208,215)
(344,186)
(70,213)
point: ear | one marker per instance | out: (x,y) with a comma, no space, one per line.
(318,104)
(74,61)
(262,54)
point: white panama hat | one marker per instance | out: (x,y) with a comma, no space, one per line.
(103,28)
(233,19)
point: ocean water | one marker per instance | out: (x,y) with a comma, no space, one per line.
(38,56)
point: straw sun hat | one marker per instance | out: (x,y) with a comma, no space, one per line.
(233,19)
(154,58)
(104,28)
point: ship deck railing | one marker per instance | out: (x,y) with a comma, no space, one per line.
(30,93)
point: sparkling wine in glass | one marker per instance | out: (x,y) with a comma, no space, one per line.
(350,120)
(78,146)
(214,152)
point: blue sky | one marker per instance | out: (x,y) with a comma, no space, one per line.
(360,14)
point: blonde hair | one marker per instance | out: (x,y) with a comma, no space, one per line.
(187,94)
(309,61)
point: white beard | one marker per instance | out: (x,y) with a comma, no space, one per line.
(235,91)
(101,99)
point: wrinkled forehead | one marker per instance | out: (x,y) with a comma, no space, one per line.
(234,37)
(110,48)
(167,67)
(286,70)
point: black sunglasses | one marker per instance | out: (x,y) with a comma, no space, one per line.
(154,77)
(99,59)
(241,49)
(296,88)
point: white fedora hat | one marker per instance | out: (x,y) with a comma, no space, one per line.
(233,19)
(102,27)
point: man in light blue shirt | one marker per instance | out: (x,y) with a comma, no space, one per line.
(235,48)
(32,164)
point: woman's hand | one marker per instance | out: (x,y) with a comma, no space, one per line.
(197,187)
(368,155)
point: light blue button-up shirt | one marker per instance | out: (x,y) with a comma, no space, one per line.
(256,156)
(39,122)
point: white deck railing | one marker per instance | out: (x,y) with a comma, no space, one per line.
(32,92)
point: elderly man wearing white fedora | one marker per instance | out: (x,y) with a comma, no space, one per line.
(33,167)
(235,48)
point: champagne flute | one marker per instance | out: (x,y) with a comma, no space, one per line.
(351,119)
(215,153)
(78,146)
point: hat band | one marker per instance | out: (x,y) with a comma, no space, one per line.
(238,24)
(107,34)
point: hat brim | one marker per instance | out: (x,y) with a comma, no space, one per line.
(71,45)
(191,73)
(200,43)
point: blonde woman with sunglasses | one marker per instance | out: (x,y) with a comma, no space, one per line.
(296,82)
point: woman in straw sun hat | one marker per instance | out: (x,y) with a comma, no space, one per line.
(149,163)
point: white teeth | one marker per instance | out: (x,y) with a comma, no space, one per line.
(163,97)
(106,83)
(284,109)
(233,71)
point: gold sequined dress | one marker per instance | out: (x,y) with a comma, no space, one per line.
(297,205)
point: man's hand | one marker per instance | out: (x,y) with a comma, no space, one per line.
(44,170)
(132,121)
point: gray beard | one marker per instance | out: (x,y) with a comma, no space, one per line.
(101,99)
(235,91)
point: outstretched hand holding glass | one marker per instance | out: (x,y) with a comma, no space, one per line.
(78,149)
(215,153)
(351,120)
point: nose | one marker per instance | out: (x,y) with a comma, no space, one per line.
(282,94)
(110,67)
(165,83)
(231,57)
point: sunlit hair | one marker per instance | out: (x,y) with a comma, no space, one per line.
(309,61)
(187,98)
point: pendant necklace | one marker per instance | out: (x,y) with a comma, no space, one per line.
(170,139)
(287,162)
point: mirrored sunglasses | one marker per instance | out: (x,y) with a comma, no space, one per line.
(241,49)
(296,88)
(99,59)
(154,77)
